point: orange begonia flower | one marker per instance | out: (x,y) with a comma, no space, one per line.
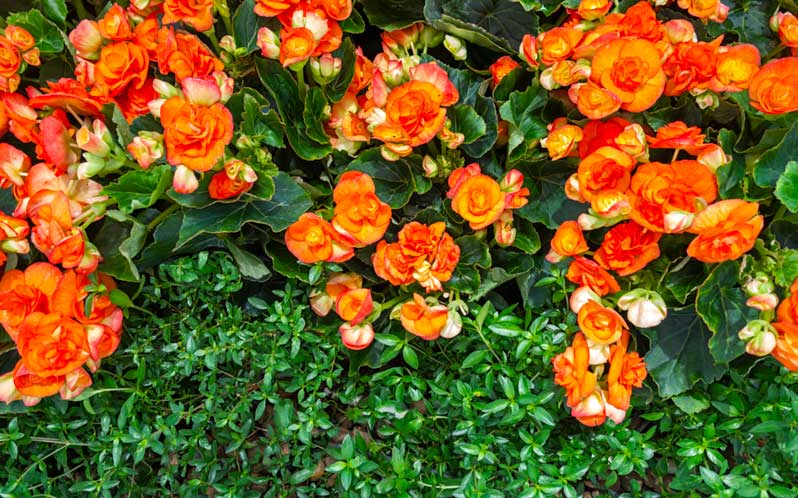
(787,25)
(312,239)
(631,70)
(26,292)
(583,271)
(271,8)
(705,9)
(354,305)
(593,101)
(608,168)
(677,135)
(10,60)
(593,9)
(114,25)
(359,213)
(736,66)
(501,68)
(600,324)
(413,115)
(627,248)
(659,189)
(571,371)
(562,138)
(597,134)
(50,344)
(567,241)
(123,65)
(480,201)
(184,55)
(297,45)
(640,21)
(223,187)
(420,319)
(691,66)
(356,337)
(786,350)
(33,385)
(557,44)
(338,283)
(627,370)
(196,13)
(787,310)
(774,88)
(726,230)
(86,39)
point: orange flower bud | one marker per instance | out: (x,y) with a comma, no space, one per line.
(269,43)
(562,140)
(356,337)
(312,239)
(354,305)
(529,50)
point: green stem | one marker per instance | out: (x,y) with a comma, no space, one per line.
(211,34)
(80,10)
(164,214)
(224,11)
(300,78)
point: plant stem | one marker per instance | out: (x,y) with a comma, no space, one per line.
(224,11)
(80,10)
(164,214)
(300,78)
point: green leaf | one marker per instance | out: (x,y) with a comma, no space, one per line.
(730,176)
(522,111)
(259,121)
(475,358)
(526,237)
(721,304)
(465,279)
(314,110)
(410,356)
(684,279)
(395,181)
(285,207)
(787,270)
(353,24)
(49,38)
(473,251)
(165,239)
(336,90)
(55,10)
(547,201)
(691,404)
(393,14)
(250,265)
(495,24)
(771,165)
(246,25)
(787,187)
(284,91)
(547,7)
(119,243)
(139,189)
(679,355)
(119,298)
(749,21)
(285,263)
(465,120)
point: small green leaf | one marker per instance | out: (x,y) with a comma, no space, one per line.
(475,358)
(769,167)
(787,187)
(246,25)
(336,90)
(314,110)
(465,120)
(393,14)
(410,356)
(395,181)
(250,265)
(119,298)
(49,38)
(139,188)
(473,251)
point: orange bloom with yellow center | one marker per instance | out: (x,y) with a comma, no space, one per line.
(736,66)
(312,239)
(557,44)
(359,213)
(788,309)
(480,201)
(9,58)
(354,305)
(562,139)
(501,68)
(593,101)
(196,13)
(122,65)
(726,230)
(774,88)
(640,21)
(296,45)
(195,135)
(569,240)
(52,345)
(658,189)
(583,271)
(691,66)
(420,319)
(631,70)
(605,169)
(788,29)
(627,248)
(600,324)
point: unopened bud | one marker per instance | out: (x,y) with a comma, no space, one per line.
(763,302)
(581,296)
(678,221)
(228,44)
(269,43)
(761,337)
(324,69)
(430,166)
(645,308)
(456,47)
(759,285)
(184,180)
(454,324)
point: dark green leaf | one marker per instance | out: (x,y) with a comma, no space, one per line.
(730,176)
(523,112)
(285,207)
(140,188)
(284,91)
(260,122)
(246,25)
(353,24)
(749,21)
(770,165)
(787,187)
(679,355)
(119,243)
(721,304)
(526,237)
(495,24)
(465,120)
(547,201)
(285,263)
(250,265)
(787,270)
(395,181)
(165,239)
(49,39)
(393,14)
(473,251)
(336,90)
(314,110)
(683,280)
(55,10)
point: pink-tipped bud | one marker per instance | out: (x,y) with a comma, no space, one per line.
(547,79)
(598,354)
(91,259)
(92,143)
(678,221)
(324,69)
(321,303)
(451,139)
(581,296)
(228,44)
(146,148)
(184,181)
(761,337)
(454,324)
(201,91)
(269,43)
(645,308)
(225,83)
(504,231)
(430,167)
(763,302)
(713,157)
(632,140)
(610,204)
(87,40)
(761,284)
(572,189)
(680,31)
(513,181)
(356,337)
(590,411)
